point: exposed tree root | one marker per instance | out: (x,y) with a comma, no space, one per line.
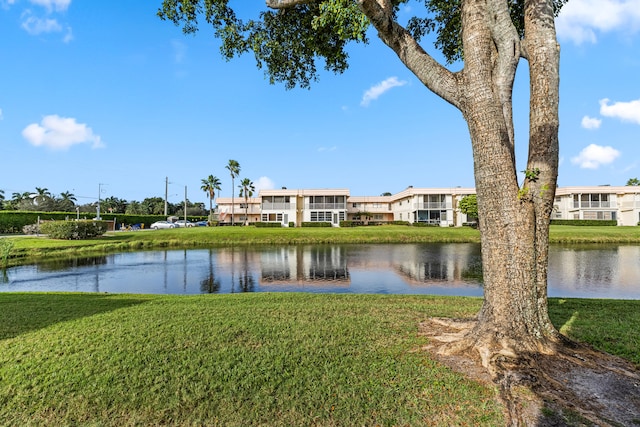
(567,384)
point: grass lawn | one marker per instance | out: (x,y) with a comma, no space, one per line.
(25,249)
(253,359)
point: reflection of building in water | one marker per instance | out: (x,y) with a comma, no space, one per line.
(425,264)
(320,264)
(596,268)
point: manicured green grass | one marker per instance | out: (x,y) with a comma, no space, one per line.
(233,360)
(254,359)
(26,249)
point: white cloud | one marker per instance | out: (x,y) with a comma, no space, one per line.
(1,116)
(60,133)
(625,111)
(263,183)
(57,5)
(376,91)
(35,26)
(179,51)
(580,20)
(594,156)
(321,149)
(591,122)
(68,36)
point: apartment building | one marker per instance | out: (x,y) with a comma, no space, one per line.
(438,206)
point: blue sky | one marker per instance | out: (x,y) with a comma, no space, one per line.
(104,95)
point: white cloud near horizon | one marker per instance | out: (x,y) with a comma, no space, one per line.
(60,133)
(379,89)
(581,20)
(625,111)
(1,116)
(264,183)
(590,122)
(593,156)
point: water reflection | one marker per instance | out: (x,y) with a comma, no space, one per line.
(451,269)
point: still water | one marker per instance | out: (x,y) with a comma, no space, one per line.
(440,269)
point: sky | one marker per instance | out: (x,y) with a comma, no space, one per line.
(105,99)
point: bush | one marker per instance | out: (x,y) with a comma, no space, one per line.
(591,222)
(316,224)
(267,224)
(292,224)
(31,229)
(425,224)
(73,230)
(399,222)
(350,223)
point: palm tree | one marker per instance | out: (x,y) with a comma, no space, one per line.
(234,169)
(209,186)
(42,194)
(67,201)
(246,190)
(1,198)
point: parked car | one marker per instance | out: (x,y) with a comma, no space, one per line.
(162,224)
(183,223)
(203,223)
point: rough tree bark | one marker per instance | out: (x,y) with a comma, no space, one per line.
(514,219)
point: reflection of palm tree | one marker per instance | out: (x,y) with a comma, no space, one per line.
(210,284)
(234,169)
(209,186)
(246,281)
(246,191)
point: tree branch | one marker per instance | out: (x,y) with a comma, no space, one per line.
(507,41)
(285,4)
(432,74)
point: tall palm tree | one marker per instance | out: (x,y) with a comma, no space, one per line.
(42,194)
(234,169)
(1,198)
(246,190)
(67,201)
(209,186)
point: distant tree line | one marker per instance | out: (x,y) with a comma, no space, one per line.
(42,200)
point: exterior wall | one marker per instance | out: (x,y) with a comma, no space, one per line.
(435,205)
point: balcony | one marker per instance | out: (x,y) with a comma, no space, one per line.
(593,204)
(432,206)
(276,206)
(342,205)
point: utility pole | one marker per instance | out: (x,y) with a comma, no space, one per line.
(166,195)
(185,205)
(99,192)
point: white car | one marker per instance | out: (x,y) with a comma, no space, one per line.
(162,224)
(183,223)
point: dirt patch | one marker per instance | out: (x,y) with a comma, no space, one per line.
(574,386)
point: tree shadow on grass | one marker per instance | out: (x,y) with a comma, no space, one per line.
(25,312)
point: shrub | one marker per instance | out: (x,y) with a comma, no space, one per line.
(425,224)
(31,229)
(316,224)
(292,224)
(73,230)
(592,222)
(349,223)
(399,223)
(267,224)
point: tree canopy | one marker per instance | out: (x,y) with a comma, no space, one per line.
(289,40)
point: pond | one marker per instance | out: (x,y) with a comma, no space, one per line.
(439,269)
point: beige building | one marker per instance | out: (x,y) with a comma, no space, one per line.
(438,206)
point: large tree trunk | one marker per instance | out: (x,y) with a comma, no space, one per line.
(514,220)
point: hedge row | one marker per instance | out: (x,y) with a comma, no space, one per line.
(596,222)
(14,221)
(316,224)
(73,230)
(267,224)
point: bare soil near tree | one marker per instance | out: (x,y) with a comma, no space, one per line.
(575,386)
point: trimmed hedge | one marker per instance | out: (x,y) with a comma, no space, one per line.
(73,230)
(592,222)
(425,224)
(12,222)
(316,224)
(267,224)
